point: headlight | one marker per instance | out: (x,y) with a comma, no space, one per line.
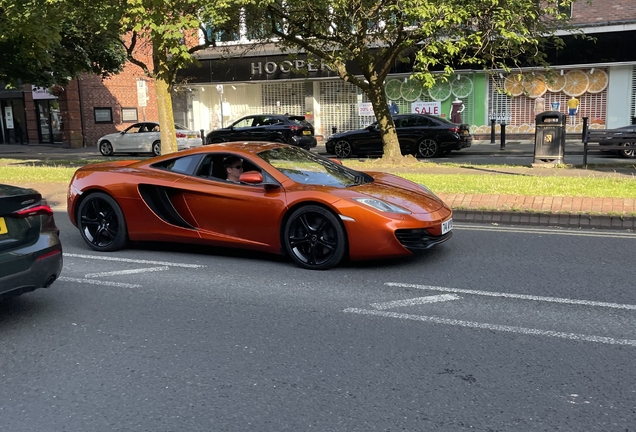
(383,206)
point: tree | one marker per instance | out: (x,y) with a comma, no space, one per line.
(46,43)
(441,35)
(166,32)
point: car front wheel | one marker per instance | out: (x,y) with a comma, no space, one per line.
(342,149)
(101,223)
(629,154)
(156,148)
(314,238)
(427,148)
(106,148)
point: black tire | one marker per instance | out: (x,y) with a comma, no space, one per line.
(101,223)
(427,148)
(314,238)
(106,148)
(628,154)
(342,149)
(156,148)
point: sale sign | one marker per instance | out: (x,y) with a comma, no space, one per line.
(365,109)
(434,108)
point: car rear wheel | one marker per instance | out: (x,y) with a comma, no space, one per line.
(427,148)
(342,149)
(101,223)
(629,154)
(156,148)
(315,238)
(106,148)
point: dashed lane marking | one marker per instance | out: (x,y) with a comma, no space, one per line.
(136,261)
(99,282)
(126,272)
(415,301)
(503,328)
(514,296)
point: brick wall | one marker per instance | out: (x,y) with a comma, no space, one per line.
(601,11)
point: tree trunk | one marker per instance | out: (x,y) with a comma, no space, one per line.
(166,117)
(388,133)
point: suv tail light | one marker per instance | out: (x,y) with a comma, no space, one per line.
(41,209)
(454,129)
(296,128)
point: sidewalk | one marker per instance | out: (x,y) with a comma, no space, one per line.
(601,213)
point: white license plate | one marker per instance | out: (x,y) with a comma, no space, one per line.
(447,226)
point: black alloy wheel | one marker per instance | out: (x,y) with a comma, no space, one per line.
(315,238)
(427,148)
(101,223)
(342,149)
(629,154)
(106,148)
(156,148)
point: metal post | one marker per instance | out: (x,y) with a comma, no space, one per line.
(634,120)
(584,131)
(503,135)
(334,130)
(492,131)
(203,136)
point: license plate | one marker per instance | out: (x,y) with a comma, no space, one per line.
(192,136)
(447,226)
(3,226)
(306,132)
(465,132)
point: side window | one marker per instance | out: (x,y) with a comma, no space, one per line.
(423,121)
(246,122)
(183,165)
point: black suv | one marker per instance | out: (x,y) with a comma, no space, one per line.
(288,129)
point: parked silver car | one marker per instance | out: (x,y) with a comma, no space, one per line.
(145,137)
(30,247)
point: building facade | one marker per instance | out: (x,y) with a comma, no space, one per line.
(599,75)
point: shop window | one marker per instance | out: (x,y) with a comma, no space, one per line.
(103,115)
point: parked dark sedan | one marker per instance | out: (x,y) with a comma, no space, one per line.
(421,135)
(630,147)
(288,129)
(30,248)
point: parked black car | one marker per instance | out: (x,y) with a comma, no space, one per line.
(288,129)
(30,247)
(630,147)
(422,135)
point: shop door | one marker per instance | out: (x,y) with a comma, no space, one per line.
(49,121)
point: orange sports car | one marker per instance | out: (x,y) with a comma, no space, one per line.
(283,200)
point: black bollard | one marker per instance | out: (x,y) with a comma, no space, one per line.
(634,120)
(203,136)
(503,136)
(334,130)
(584,131)
(492,131)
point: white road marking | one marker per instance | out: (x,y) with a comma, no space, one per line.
(136,261)
(415,301)
(509,329)
(126,272)
(515,296)
(99,282)
(547,231)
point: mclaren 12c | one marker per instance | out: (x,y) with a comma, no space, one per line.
(283,200)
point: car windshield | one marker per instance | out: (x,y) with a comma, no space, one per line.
(177,126)
(307,168)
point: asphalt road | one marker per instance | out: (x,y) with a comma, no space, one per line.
(499,329)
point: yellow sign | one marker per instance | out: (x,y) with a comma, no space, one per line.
(3,226)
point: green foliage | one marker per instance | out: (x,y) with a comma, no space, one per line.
(50,42)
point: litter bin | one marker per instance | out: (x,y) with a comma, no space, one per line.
(549,137)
